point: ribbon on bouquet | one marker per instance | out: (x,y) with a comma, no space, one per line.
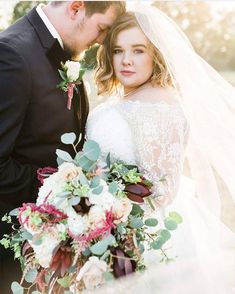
(70,94)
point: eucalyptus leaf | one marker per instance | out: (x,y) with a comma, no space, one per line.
(63,194)
(68,138)
(100,247)
(64,155)
(59,161)
(105,255)
(151,222)
(95,182)
(121,229)
(157,244)
(91,150)
(31,275)
(86,252)
(176,217)
(170,224)
(97,190)
(85,163)
(74,200)
(14,212)
(108,276)
(113,187)
(64,282)
(165,234)
(37,241)
(16,288)
(83,179)
(136,210)
(72,269)
(26,235)
(36,292)
(136,223)
(141,248)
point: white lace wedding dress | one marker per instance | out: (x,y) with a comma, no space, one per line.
(153,135)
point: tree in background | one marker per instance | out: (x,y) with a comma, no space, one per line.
(210,31)
(22,8)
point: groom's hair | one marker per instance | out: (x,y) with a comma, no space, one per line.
(98,6)
(102,6)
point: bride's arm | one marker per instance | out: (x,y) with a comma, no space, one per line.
(160,136)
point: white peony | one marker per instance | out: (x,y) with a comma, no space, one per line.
(121,210)
(73,69)
(43,252)
(92,273)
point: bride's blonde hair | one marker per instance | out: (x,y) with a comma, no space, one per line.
(106,80)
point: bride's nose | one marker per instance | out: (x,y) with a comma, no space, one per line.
(126,59)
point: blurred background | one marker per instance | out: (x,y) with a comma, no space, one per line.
(210,25)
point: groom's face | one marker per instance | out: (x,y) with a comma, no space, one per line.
(90,30)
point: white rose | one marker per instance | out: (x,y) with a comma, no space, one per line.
(68,171)
(121,210)
(92,273)
(96,217)
(73,69)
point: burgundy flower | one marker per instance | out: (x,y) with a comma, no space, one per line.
(61,260)
(136,192)
(122,265)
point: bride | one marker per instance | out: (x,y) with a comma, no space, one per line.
(167,105)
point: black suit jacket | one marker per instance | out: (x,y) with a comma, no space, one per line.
(33,113)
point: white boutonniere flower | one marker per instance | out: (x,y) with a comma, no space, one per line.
(71,74)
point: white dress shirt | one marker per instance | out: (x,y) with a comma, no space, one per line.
(48,24)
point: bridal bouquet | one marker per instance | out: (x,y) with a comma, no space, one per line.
(88,224)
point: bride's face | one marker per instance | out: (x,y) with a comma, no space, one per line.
(132,59)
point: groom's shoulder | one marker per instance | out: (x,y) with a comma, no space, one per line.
(19,36)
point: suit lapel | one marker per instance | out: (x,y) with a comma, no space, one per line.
(56,55)
(53,49)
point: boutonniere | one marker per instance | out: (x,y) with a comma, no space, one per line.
(71,74)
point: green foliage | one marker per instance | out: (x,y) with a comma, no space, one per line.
(100,247)
(151,222)
(22,8)
(31,275)
(17,288)
(68,138)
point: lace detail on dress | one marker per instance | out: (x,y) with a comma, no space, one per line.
(152,135)
(160,133)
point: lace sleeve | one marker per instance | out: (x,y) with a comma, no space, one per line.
(160,134)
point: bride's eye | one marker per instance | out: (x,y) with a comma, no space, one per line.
(117,51)
(138,51)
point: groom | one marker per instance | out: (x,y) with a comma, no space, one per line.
(33,113)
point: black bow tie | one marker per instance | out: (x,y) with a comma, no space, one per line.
(57,55)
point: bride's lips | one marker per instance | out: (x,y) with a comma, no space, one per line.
(127,73)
